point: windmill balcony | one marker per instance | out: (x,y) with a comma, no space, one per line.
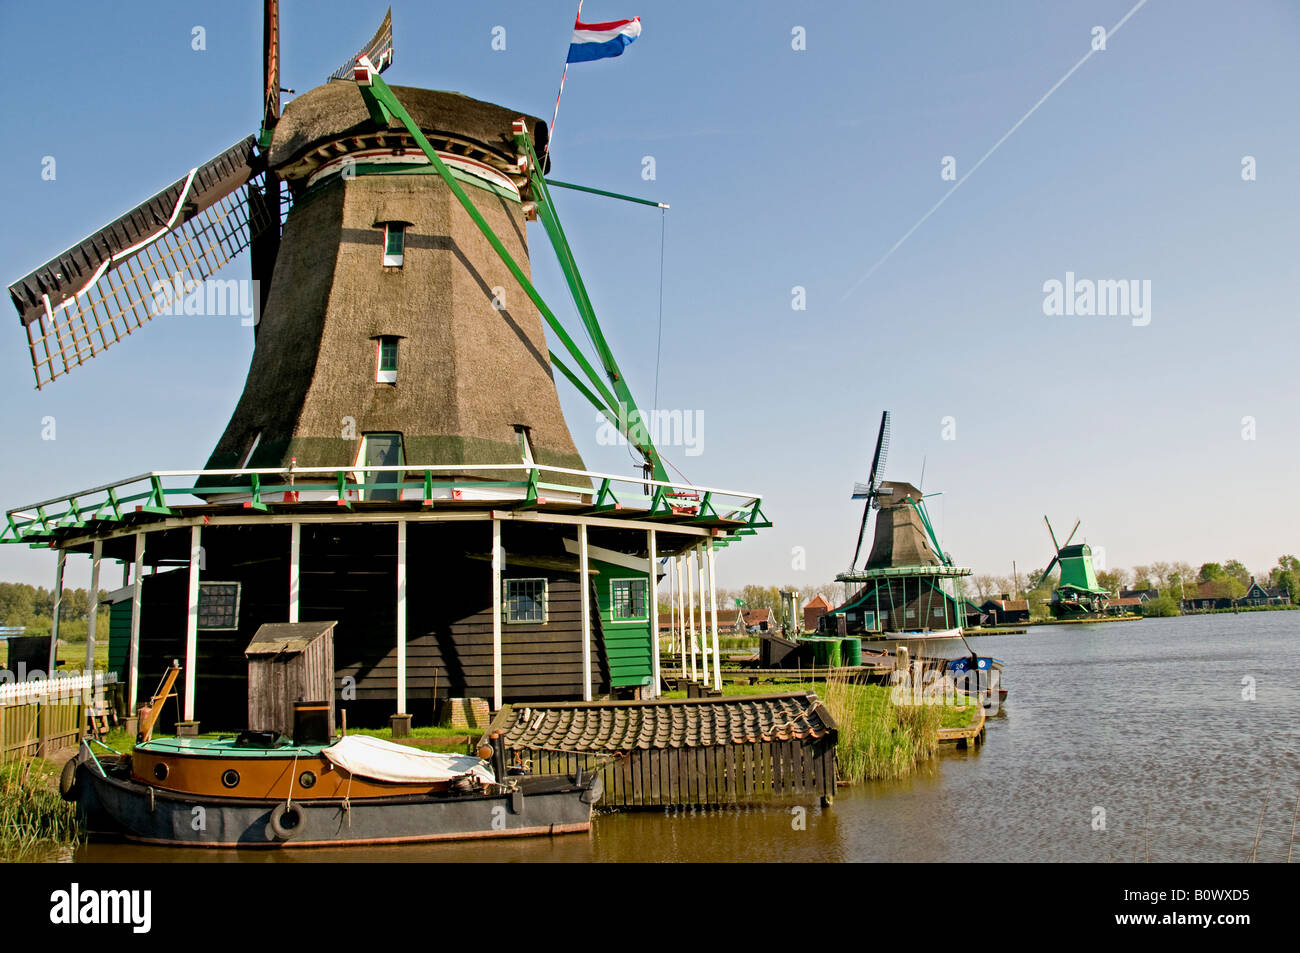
(325,491)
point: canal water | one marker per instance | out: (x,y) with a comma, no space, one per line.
(1161,739)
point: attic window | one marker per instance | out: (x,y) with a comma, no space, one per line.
(386,366)
(394,242)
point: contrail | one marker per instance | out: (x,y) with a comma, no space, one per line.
(1007,135)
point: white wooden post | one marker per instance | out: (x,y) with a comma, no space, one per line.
(704,617)
(133,664)
(192,622)
(295,559)
(654,617)
(58,605)
(585,598)
(496,616)
(713,608)
(690,609)
(401,617)
(681,610)
(96,553)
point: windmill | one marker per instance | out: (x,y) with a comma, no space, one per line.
(398,460)
(1078,592)
(908,583)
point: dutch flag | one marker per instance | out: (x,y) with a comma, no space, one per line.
(596,41)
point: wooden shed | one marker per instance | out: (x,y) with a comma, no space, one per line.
(289,662)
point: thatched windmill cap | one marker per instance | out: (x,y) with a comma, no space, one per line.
(336,111)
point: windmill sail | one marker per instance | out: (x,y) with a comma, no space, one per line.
(104,287)
(379,50)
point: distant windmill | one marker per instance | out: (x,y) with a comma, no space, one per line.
(1078,592)
(871,490)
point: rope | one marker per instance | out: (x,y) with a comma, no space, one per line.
(663,227)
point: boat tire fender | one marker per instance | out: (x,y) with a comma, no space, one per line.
(68,781)
(295,817)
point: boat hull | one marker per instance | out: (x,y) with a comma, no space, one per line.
(121,806)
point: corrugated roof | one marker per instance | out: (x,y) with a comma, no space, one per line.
(677,723)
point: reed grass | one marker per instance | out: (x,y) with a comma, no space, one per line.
(878,739)
(32,814)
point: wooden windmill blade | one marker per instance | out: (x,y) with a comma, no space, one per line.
(110,283)
(379,50)
(872,487)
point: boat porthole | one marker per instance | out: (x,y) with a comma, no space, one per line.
(160,771)
(307,779)
(230,777)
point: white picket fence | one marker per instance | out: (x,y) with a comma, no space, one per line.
(59,688)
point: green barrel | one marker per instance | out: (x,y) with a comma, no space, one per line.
(852,651)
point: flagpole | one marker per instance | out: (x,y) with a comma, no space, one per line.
(551,135)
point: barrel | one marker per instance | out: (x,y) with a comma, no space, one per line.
(852,651)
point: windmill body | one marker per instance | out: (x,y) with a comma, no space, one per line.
(398,462)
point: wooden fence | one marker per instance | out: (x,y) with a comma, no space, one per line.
(713,775)
(39,717)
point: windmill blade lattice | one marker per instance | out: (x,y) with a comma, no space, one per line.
(100,290)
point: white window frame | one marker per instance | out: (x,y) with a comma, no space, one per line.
(613,602)
(390,260)
(506,605)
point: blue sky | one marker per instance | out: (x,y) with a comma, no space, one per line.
(784,168)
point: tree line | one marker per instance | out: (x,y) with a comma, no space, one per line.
(33,608)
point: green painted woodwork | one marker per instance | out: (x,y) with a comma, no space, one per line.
(613,195)
(380,91)
(627,642)
(1077,571)
(119,637)
(582,301)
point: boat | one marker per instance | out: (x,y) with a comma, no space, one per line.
(987,677)
(259,789)
(264,789)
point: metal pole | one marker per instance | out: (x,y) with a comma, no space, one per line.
(713,608)
(192,621)
(585,598)
(401,617)
(58,605)
(133,664)
(295,561)
(496,615)
(654,616)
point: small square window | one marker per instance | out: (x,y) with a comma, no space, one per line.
(629,600)
(386,372)
(525,600)
(394,241)
(218,605)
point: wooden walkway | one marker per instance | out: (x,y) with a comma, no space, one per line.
(962,737)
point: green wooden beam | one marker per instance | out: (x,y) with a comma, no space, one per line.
(380,91)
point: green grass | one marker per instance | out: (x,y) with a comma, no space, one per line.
(32,814)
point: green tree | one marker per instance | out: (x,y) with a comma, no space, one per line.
(1210,572)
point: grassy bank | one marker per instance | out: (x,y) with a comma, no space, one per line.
(32,815)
